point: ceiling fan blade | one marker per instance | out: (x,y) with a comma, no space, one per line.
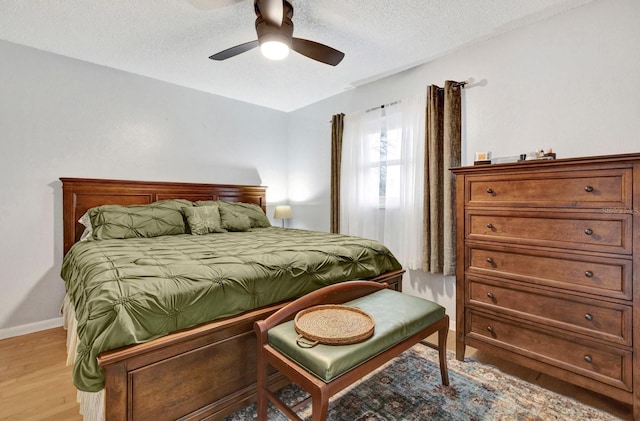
(234,51)
(272,11)
(319,52)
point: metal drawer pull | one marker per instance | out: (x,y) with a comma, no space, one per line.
(588,189)
(490,190)
(588,358)
(489,260)
(588,317)
(490,225)
(490,295)
(588,274)
(489,329)
(588,231)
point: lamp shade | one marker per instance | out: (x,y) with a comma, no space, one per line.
(282,212)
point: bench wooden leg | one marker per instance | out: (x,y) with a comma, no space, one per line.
(320,406)
(262,404)
(442,352)
(262,383)
(443,331)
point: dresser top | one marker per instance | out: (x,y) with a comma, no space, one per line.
(549,163)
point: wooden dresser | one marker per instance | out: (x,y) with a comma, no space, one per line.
(548,268)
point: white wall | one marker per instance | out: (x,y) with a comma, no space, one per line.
(571,82)
(66,118)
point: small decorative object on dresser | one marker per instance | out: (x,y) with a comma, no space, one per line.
(482,158)
(548,273)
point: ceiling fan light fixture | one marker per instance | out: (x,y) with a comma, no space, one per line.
(274,50)
(275,36)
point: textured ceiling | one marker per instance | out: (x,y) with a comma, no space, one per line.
(171,40)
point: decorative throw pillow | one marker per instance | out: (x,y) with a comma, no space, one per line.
(153,220)
(203,219)
(234,221)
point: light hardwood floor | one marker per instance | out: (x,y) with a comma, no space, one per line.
(35,384)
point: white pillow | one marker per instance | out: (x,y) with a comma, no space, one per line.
(88,230)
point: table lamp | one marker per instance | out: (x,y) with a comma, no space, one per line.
(282,212)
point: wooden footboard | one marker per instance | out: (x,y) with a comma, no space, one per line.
(207,372)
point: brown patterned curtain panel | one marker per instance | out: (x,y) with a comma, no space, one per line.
(337,127)
(442,152)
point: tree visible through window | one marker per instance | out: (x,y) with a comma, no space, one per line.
(385,152)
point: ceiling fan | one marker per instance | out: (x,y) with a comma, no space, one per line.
(275,36)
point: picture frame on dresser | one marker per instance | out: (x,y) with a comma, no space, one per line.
(547,260)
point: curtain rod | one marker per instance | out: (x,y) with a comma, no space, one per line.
(460,84)
(382,106)
(457,85)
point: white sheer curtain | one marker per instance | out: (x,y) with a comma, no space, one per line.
(382,177)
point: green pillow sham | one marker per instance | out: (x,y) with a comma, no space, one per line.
(203,219)
(234,221)
(138,221)
(255,213)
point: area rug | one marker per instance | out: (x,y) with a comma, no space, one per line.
(409,388)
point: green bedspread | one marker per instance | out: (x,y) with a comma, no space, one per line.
(135,290)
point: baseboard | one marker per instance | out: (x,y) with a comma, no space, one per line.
(10,332)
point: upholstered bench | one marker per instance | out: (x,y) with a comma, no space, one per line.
(401,321)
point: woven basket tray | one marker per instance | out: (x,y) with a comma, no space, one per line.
(333,325)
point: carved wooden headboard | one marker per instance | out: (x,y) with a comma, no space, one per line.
(81,194)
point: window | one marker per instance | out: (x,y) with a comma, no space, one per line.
(382,177)
(385,147)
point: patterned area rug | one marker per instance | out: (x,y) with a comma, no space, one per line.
(409,388)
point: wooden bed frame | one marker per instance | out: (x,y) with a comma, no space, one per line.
(205,372)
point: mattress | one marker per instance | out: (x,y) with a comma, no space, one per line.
(134,290)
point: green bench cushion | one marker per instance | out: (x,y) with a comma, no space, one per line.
(397,316)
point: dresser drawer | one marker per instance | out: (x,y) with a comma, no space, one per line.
(609,233)
(606,364)
(603,276)
(609,322)
(573,189)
